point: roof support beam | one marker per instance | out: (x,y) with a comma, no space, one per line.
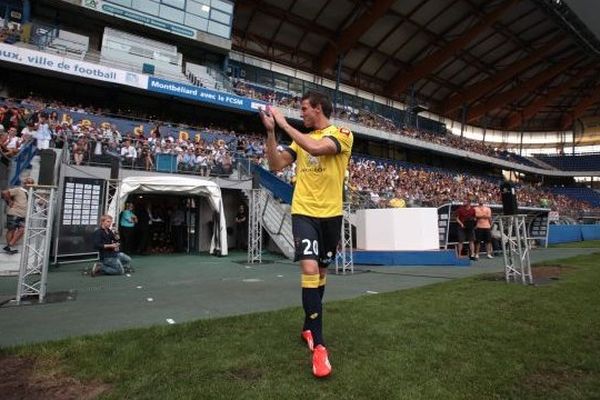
(517,118)
(485,86)
(579,109)
(404,79)
(508,96)
(350,35)
(284,15)
(299,59)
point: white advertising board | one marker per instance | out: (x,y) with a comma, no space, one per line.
(51,62)
(396,229)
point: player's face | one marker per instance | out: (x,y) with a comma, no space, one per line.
(308,113)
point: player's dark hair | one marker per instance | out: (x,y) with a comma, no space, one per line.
(316,98)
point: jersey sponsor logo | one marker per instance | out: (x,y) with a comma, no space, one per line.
(345,131)
(314,164)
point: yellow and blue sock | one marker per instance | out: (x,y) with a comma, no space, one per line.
(313,308)
(322,283)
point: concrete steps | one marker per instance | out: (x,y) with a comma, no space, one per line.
(277,222)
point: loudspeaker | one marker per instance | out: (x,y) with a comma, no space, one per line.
(47,163)
(115,165)
(255,178)
(509,199)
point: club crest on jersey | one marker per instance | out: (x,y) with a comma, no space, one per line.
(345,131)
(312,160)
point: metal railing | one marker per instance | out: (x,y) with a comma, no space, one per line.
(239,164)
(21,162)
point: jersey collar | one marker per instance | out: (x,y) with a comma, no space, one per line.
(326,130)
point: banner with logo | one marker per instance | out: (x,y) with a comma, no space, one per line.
(83,69)
(203,95)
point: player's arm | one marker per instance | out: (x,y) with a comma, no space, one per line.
(315,147)
(278,160)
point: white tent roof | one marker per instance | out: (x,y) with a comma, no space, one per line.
(177,185)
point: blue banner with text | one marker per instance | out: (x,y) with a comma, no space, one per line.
(203,95)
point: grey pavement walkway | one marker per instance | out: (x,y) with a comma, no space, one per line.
(185,288)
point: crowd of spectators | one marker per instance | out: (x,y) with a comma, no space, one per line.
(360,116)
(373,120)
(91,143)
(382,183)
(10,33)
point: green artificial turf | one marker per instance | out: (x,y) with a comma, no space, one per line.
(473,338)
(587,244)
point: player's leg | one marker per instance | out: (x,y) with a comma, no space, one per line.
(305,230)
(329,240)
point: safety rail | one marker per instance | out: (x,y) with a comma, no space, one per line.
(42,35)
(239,164)
(264,214)
(279,188)
(22,161)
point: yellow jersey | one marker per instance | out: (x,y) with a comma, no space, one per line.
(320,180)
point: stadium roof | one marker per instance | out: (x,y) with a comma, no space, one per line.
(515,64)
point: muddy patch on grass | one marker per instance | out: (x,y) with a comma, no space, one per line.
(554,272)
(542,274)
(246,374)
(554,380)
(23,380)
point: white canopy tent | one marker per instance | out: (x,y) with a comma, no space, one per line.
(178,185)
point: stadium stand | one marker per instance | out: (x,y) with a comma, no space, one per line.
(141,54)
(199,76)
(69,44)
(124,50)
(93,139)
(377,121)
(583,162)
(10,34)
(581,193)
(101,132)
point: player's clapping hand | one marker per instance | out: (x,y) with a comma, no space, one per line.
(267,118)
(278,117)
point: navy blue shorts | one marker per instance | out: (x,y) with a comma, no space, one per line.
(14,222)
(316,238)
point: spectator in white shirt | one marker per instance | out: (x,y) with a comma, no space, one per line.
(28,132)
(202,163)
(128,152)
(13,142)
(43,134)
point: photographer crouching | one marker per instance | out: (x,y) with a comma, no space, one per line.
(112,261)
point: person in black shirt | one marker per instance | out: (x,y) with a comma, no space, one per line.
(112,261)
(142,228)
(241,228)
